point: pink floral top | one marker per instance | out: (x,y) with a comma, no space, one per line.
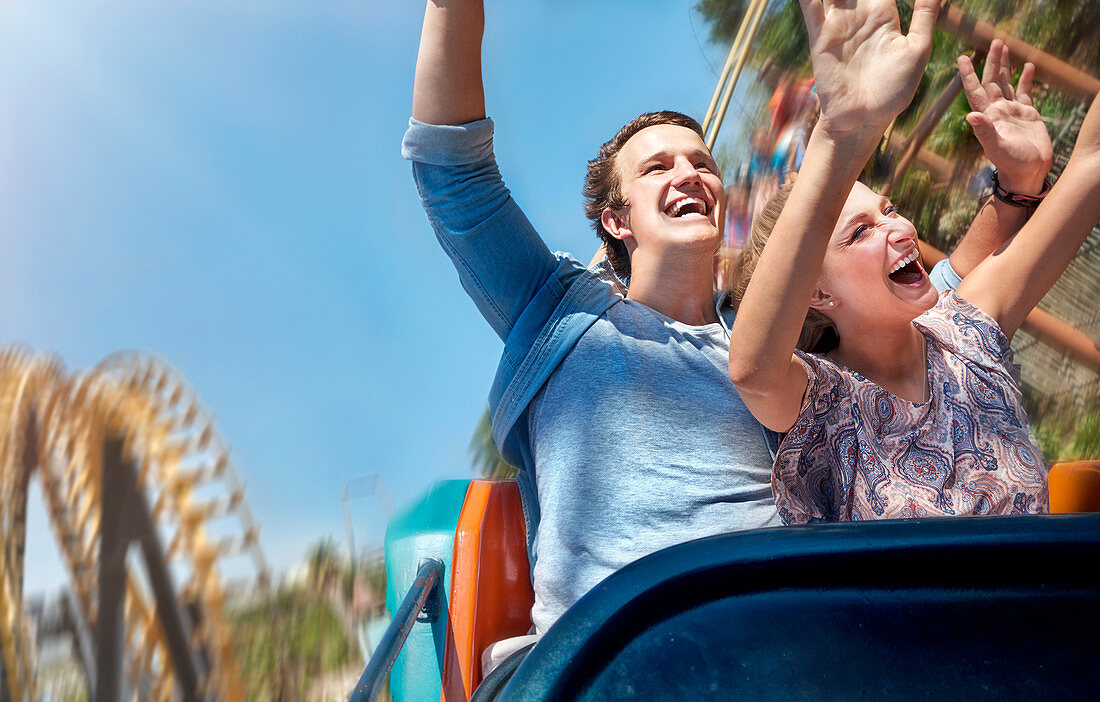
(857,452)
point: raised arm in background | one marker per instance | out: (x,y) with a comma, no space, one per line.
(1008,284)
(448,87)
(866,72)
(1015,141)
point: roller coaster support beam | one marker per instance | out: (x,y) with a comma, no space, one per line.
(924,127)
(742,43)
(1048,68)
(125,518)
(735,49)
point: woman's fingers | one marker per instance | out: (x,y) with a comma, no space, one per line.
(1004,75)
(1023,86)
(975,93)
(992,63)
(983,128)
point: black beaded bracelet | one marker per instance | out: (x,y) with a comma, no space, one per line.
(1016,200)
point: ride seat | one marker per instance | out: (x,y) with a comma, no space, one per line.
(1074,486)
(490,594)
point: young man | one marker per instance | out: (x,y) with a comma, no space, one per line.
(615,405)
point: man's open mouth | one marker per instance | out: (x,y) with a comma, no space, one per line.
(908,270)
(687,206)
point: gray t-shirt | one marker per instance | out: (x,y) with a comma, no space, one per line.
(640,442)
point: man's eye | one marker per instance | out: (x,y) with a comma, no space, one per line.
(892,209)
(654,167)
(704,166)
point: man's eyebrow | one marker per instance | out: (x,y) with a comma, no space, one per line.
(660,155)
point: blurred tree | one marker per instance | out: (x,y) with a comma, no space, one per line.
(286,643)
(486,459)
(325,564)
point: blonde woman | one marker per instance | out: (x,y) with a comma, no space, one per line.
(916,410)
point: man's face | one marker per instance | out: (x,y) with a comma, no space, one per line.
(672,188)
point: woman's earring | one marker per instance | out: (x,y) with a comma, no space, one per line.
(832,303)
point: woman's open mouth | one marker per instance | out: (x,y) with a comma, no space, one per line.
(908,271)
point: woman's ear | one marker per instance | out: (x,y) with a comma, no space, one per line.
(614,223)
(822,301)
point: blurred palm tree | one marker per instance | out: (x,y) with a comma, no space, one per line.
(325,565)
(288,642)
(485,457)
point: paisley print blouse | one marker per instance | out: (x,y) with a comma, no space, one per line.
(858,452)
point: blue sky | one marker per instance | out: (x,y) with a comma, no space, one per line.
(221,184)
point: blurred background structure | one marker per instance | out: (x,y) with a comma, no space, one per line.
(143,503)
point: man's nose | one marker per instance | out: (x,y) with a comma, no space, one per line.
(683,171)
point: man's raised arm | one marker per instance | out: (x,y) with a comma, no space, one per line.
(500,258)
(448,87)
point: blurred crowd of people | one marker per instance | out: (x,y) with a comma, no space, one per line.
(777,147)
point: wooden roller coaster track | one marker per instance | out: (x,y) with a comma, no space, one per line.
(126,456)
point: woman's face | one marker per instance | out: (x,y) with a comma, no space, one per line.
(872,270)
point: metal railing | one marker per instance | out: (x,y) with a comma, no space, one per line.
(420,604)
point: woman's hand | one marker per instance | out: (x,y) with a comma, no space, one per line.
(1005,122)
(865,70)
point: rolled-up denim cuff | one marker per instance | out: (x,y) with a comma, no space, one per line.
(944,277)
(448,144)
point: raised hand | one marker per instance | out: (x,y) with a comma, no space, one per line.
(1005,122)
(866,70)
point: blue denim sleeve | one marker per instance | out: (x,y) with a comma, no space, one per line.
(944,277)
(500,258)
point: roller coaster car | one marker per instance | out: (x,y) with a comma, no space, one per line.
(984,608)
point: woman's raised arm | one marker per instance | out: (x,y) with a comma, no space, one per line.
(866,72)
(1008,284)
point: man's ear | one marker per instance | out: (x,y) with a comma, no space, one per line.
(615,224)
(822,301)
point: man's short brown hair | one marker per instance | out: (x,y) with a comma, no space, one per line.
(603,187)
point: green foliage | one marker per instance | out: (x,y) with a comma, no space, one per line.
(1086,439)
(485,457)
(286,643)
(1068,430)
(724,17)
(325,563)
(373,576)
(783,37)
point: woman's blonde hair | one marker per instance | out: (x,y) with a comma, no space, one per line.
(818,333)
